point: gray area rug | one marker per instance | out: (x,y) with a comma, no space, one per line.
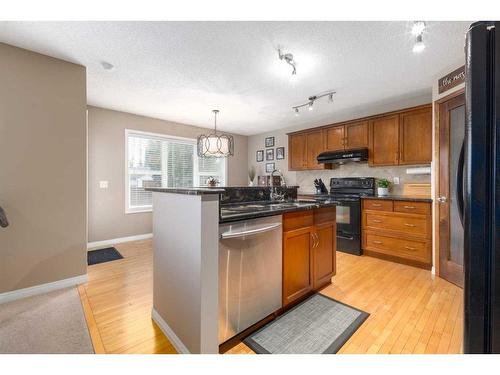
(48,323)
(319,325)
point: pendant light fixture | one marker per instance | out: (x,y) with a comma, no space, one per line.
(215,145)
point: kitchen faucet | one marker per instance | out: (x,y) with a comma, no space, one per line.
(275,196)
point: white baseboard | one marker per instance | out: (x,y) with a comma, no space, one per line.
(167,331)
(114,241)
(433,270)
(42,288)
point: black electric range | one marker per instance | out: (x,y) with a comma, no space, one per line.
(348,192)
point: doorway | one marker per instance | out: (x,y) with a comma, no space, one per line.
(450,130)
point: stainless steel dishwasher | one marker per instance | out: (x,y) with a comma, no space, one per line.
(250,273)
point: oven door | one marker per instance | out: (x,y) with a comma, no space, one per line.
(349,226)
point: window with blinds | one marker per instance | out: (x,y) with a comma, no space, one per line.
(156,160)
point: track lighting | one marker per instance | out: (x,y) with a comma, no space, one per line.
(311,100)
(288,57)
(418,29)
(419,45)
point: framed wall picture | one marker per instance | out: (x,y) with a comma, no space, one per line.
(269,142)
(270,154)
(259,155)
(280,153)
(270,167)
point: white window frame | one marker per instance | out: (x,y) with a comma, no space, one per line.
(191,141)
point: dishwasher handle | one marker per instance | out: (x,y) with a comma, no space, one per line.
(250,232)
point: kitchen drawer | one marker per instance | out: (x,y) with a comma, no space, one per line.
(405,224)
(398,247)
(377,204)
(324,215)
(423,208)
(299,219)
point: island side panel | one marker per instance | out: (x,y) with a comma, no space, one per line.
(183,280)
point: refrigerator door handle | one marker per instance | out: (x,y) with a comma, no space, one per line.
(460,185)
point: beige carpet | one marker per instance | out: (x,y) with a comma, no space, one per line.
(47,323)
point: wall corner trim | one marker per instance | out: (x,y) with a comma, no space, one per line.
(113,241)
(42,288)
(167,331)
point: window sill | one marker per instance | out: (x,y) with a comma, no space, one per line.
(138,211)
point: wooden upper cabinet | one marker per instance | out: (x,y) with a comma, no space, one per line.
(356,135)
(334,138)
(314,148)
(401,137)
(384,140)
(297,148)
(415,137)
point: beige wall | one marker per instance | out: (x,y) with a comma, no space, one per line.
(42,169)
(106,131)
(304,179)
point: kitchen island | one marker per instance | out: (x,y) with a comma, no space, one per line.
(193,256)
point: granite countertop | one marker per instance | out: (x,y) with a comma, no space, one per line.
(270,210)
(188,191)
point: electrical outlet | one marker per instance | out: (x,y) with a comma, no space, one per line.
(103,184)
(396,180)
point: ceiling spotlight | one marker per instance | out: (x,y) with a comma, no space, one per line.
(418,28)
(107,66)
(296,110)
(419,45)
(310,106)
(288,57)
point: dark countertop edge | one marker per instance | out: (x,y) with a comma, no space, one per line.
(400,198)
(204,190)
(281,211)
(388,197)
(187,191)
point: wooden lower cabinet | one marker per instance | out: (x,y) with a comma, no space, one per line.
(324,254)
(297,264)
(309,245)
(400,231)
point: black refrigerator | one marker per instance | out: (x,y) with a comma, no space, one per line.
(480,189)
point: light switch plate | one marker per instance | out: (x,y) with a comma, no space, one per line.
(103,184)
(396,180)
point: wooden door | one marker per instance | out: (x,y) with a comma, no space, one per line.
(324,254)
(297,157)
(451,127)
(415,136)
(314,148)
(356,135)
(334,138)
(297,264)
(384,140)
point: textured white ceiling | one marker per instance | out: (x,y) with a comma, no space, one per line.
(180,71)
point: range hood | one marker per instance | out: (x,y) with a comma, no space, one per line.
(341,157)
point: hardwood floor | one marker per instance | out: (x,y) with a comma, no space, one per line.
(410,310)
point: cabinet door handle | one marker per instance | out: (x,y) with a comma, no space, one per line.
(410,225)
(409,207)
(378,242)
(410,248)
(376,221)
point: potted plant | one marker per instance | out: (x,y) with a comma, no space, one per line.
(383,187)
(212,181)
(251,175)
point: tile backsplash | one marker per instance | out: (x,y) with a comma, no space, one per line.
(305,179)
